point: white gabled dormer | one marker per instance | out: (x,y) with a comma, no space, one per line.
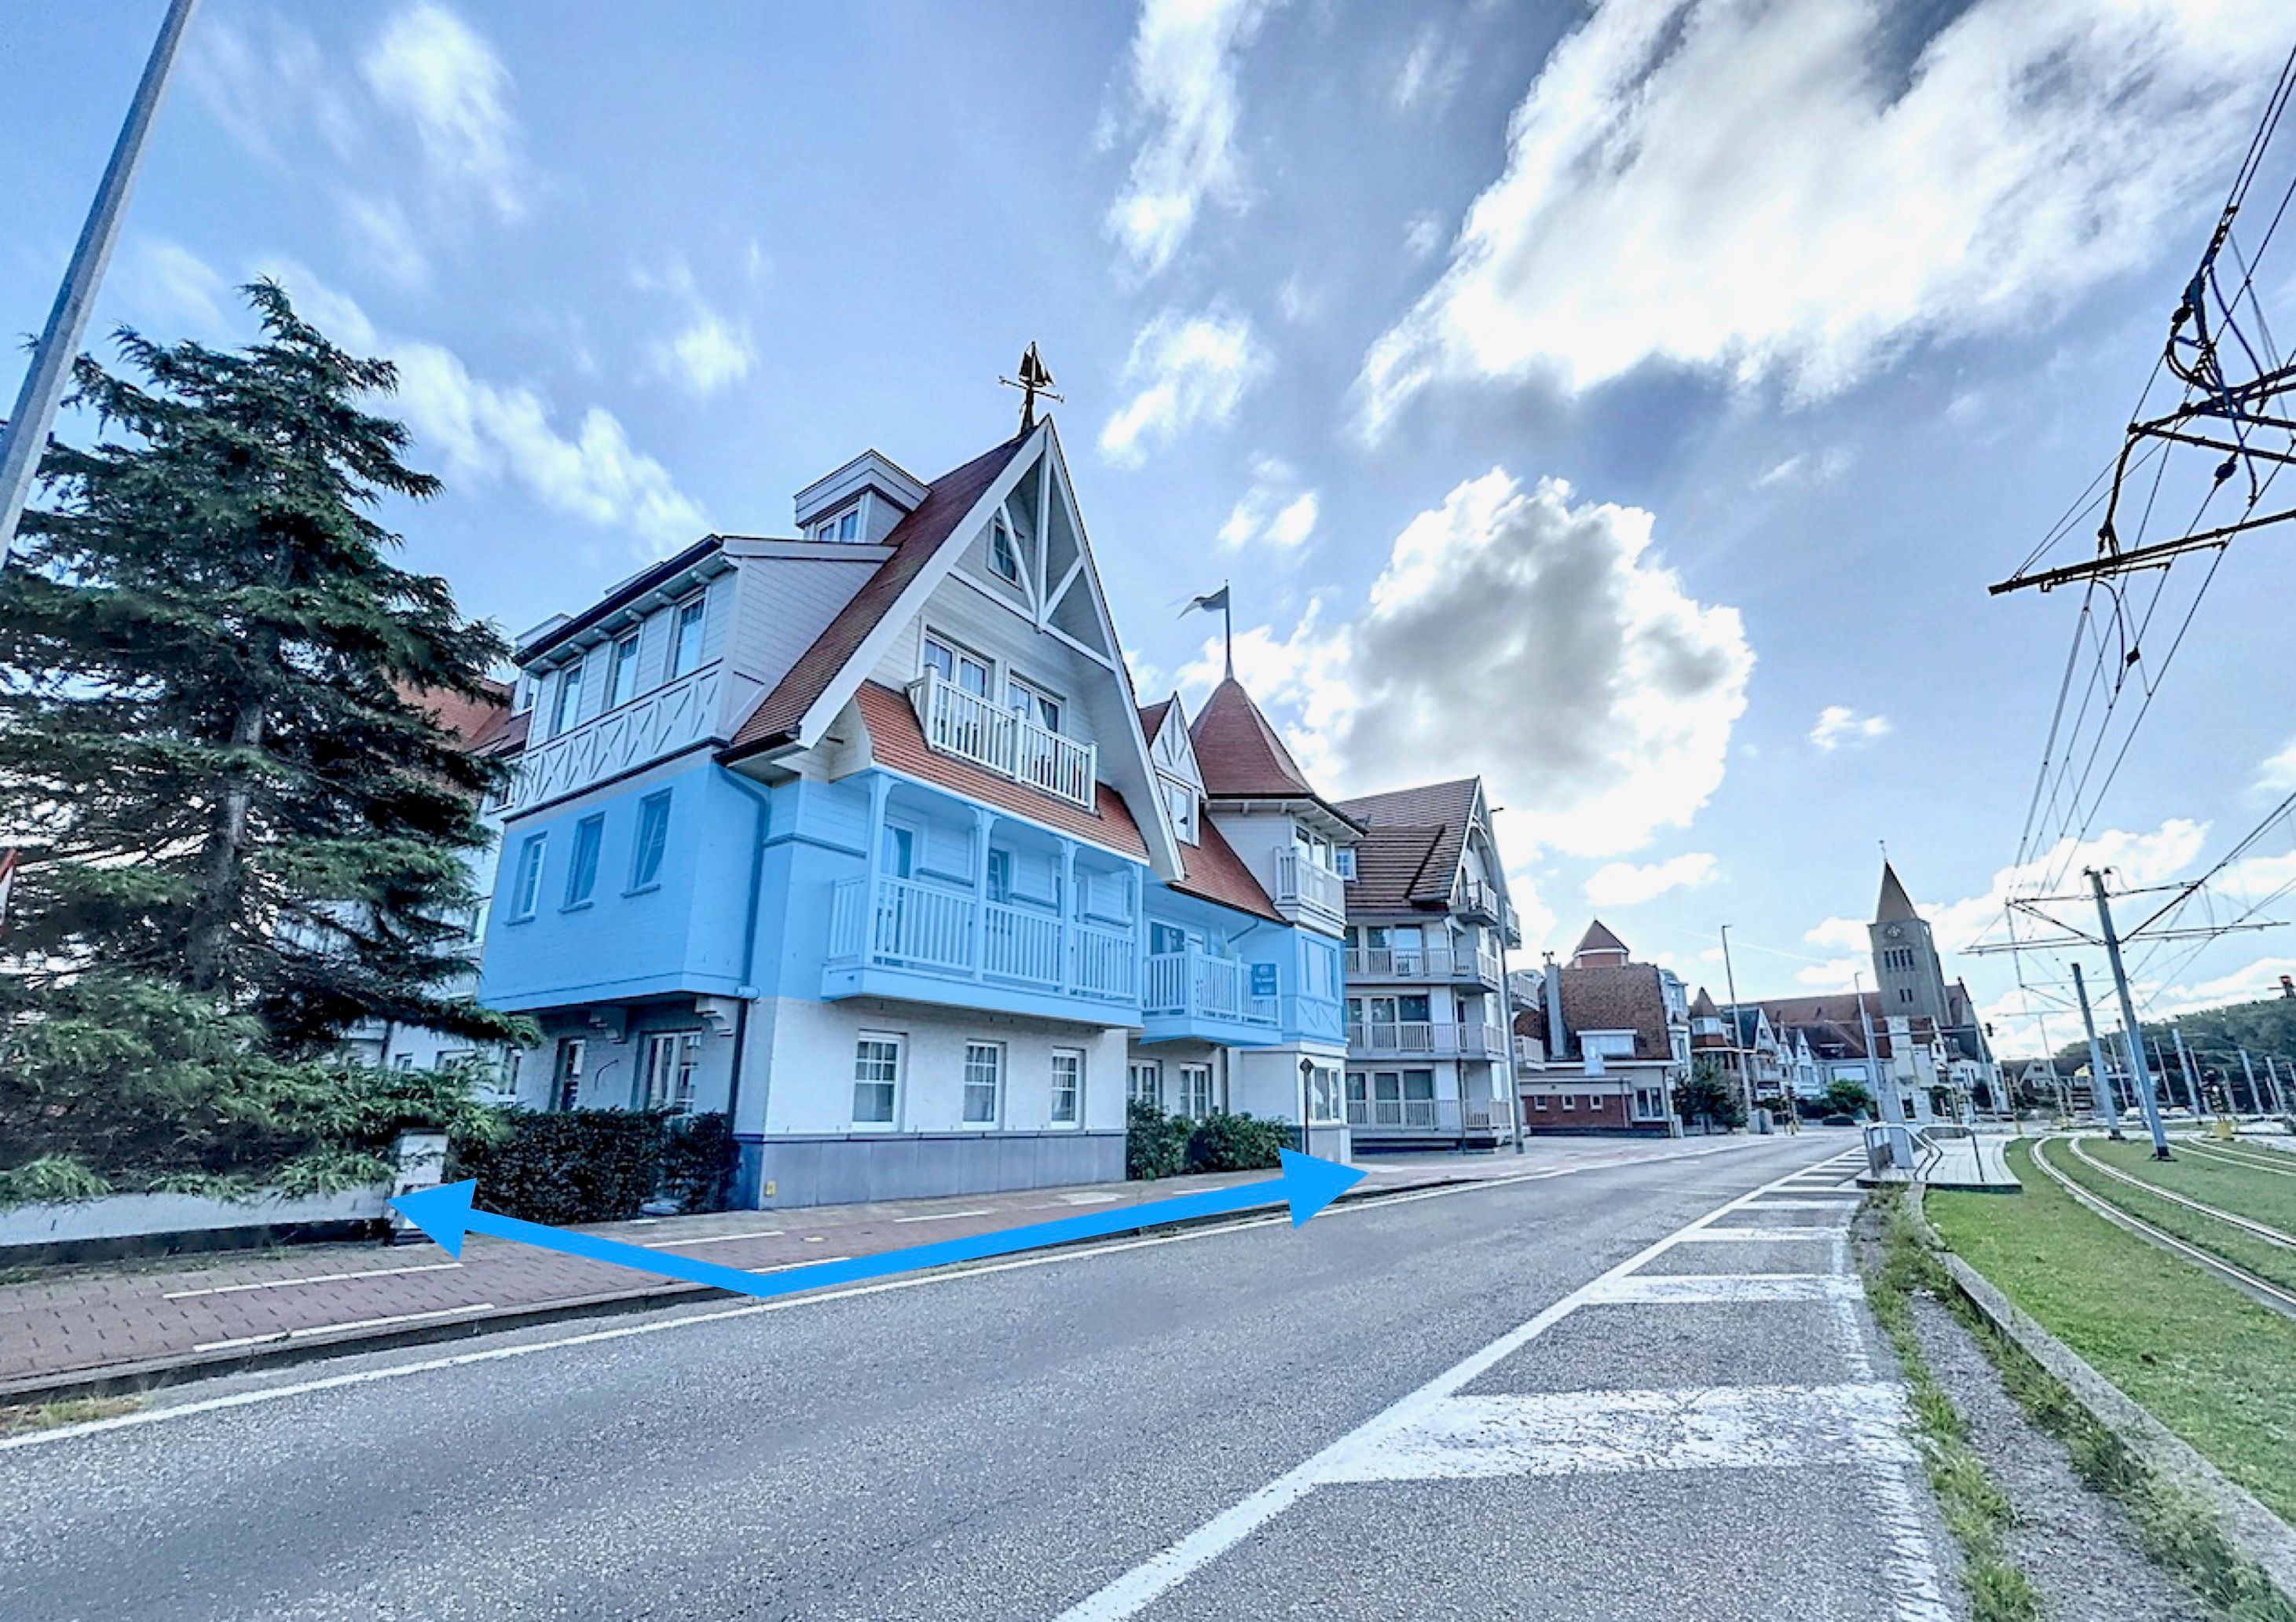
(861,500)
(1179,781)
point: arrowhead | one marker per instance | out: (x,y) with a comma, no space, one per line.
(443,1213)
(1311,1184)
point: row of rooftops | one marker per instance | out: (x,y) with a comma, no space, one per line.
(1408,842)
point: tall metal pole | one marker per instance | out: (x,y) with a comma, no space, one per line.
(2255,1098)
(2137,1071)
(2108,1109)
(2279,1092)
(2191,1077)
(1745,1079)
(26,435)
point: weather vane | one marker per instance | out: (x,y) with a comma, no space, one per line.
(1035,379)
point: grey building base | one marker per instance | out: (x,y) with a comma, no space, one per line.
(798,1171)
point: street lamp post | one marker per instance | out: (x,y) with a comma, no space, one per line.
(1737,1053)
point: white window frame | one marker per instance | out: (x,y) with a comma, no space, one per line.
(1343,861)
(622,670)
(1180,804)
(653,814)
(1071,1087)
(697,605)
(1151,1071)
(993,1055)
(590,839)
(533,854)
(565,717)
(1003,550)
(959,657)
(899,1046)
(1196,1087)
(666,1067)
(1036,700)
(566,1065)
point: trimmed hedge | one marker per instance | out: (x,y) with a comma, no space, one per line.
(1160,1145)
(575,1166)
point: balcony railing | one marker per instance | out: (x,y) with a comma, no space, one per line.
(927,930)
(1480,901)
(1422,1117)
(1194,984)
(1530,1053)
(1434,962)
(965,725)
(1301,885)
(1436,1038)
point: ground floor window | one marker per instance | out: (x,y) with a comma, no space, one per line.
(1391,1098)
(1571,1101)
(876,1079)
(984,1082)
(1196,1091)
(1067,1085)
(566,1074)
(666,1070)
(1146,1085)
(1650,1104)
(1538,1103)
(1324,1095)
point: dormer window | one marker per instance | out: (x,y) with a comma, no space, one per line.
(685,634)
(844,526)
(1343,861)
(1002,556)
(1180,801)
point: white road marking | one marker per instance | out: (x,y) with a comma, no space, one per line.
(1135,1590)
(1721,1236)
(332,1329)
(1700,1289)
(711,1239)
(986,1211)
(1050,1258)
(1806,1205)
(315,1278)
(1562,1433)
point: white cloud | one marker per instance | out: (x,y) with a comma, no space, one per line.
(1597,699)
(1273,509)
(708,351)
(431,68)
(265,84)
(1835,974)
(385,238)
(1184,369)
(1625,884)
(1183,89)
(171,292)
(1429,72)
(2278,775)
(488,432)
(1423,235)
(1839,726)
(1803,468)
(2018,163)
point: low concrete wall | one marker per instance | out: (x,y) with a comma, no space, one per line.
(913,1166)
(124,1224)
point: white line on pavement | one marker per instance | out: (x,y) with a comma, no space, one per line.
(1562,1433)
(244,1399)
(1700,1288)
(986,1211)
(315,1278)
(711,1239)
(310,1331)
(1722,1236)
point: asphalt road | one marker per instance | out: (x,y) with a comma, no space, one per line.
(1027,1440)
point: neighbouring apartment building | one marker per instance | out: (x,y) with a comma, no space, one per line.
(857,836)
(1617,1038)
(1432,1049)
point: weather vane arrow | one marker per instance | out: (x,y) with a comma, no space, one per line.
(1307,1185)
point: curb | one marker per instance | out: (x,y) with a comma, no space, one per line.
(152,1374)
(2255,1531)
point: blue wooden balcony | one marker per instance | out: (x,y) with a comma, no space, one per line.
(1192,995)
(923,942)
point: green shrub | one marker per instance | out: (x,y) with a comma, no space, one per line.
(597,1165)
(1155,1144)
(1237,1142)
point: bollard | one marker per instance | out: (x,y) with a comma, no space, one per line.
(422,1157)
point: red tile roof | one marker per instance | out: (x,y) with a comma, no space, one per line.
(899,745)
(1625,996)
(1410,851)
(1151,718)
(1213,871)
(916,540)
(1239,751)
(480,724)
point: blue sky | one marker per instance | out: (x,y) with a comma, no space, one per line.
(1628,403)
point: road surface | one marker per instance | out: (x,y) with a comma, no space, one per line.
(1532,1399)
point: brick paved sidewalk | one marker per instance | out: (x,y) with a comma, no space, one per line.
(119,1326)
(128,1322)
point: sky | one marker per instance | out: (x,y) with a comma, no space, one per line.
(1626,402)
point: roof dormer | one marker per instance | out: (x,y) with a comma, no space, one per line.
(861,500)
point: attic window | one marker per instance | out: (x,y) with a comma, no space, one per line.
(1180,801)
(844,526)
(1002,557)
(1343,861)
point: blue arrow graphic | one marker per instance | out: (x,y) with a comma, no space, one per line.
(1307,1184)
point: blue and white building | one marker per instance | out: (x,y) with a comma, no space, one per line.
(856,836)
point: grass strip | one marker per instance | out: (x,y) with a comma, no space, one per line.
(2194,1352)
(1976,1510)
(2268,1261)
(70,1411)
(2260,1194)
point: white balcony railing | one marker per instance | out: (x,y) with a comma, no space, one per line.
(1372,1116)
(1194,984)
(1436,1038)
(1530,1053)
(965,725)
(1301,884)
(1434,962)
(1480,901)
(932,930)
